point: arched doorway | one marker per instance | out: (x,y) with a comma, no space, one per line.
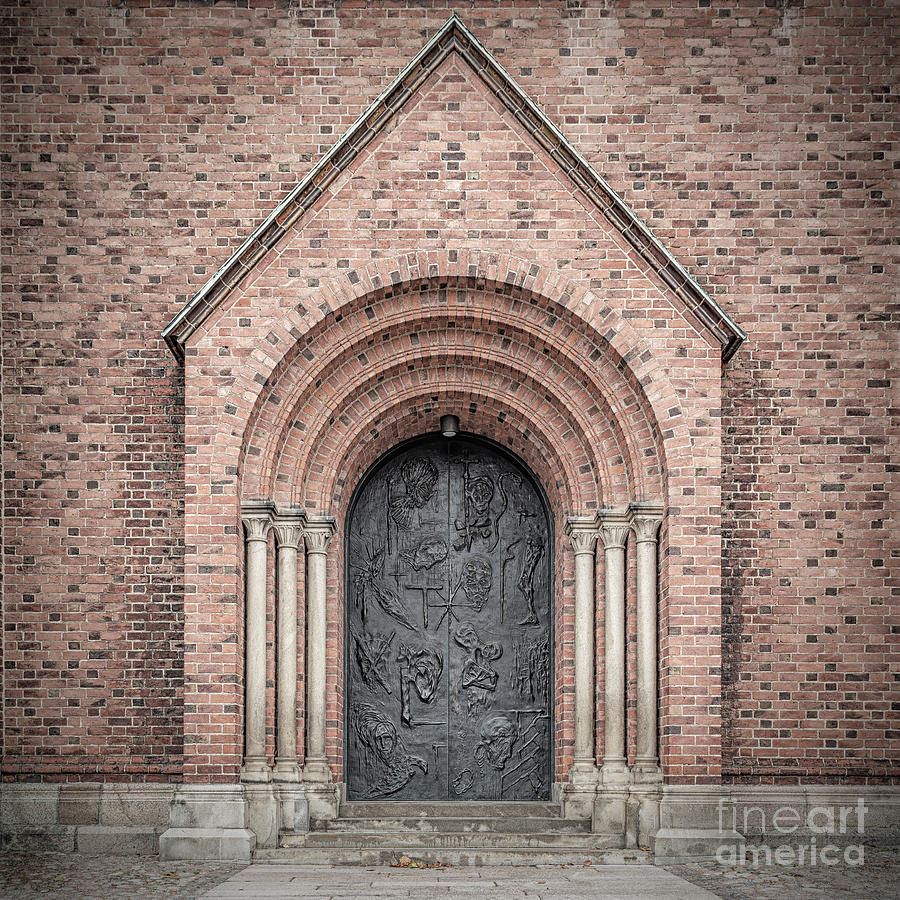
(449,627)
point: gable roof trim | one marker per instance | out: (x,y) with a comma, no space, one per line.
(452,36)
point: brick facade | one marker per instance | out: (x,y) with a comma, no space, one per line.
(453,265)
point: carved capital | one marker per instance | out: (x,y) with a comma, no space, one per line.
(582,533)
(256,526)
(614,525)
(645,528)
(645,520)
(317,535)
(614,535)
(288,534)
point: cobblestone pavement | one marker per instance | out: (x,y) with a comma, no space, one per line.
(70,875)
(24,876)
(877,879)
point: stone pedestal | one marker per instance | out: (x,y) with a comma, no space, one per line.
(208,821)
(294,808)
(263,813)
(323,799)
(609,816)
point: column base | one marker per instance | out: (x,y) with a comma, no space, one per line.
(262,812)
(645,807)
(286,771)
(614,772)
(323,800)
(578,795)
(294,807)
(315,771)
(584,773)
(646,771)
(610,815)
(256,770)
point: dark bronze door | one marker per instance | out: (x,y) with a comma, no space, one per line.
(449,636)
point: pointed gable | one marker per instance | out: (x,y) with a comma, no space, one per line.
(453,38)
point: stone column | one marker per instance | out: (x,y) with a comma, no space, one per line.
(582,533)
(317,535)
(288,533)
(257,521)
(614,528)
(645,520)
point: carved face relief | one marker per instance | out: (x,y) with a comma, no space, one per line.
(480,493)
(388,766)
(498,737)
(422,670)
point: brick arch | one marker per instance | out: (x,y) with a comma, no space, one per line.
(618,348)
(537,436)
(422,339)
(637,438)
(596,450)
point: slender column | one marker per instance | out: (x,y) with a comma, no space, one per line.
(614,533)
(317,536)
(646,519)
(582,533)
(289,533)
(256,527)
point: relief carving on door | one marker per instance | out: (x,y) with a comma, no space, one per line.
(449,628)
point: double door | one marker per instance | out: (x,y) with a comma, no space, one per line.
(449,635)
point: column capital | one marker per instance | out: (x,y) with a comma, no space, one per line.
(645,520)
(256,517)
(317,534)
(288,529)
(582,532)
(614,527)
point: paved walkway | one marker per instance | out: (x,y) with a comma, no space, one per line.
(485,882)
(73,876)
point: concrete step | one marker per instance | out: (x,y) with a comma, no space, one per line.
(481,824)
(365,809)
(415,842)
(469,856)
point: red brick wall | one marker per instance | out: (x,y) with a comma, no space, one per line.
(142,142)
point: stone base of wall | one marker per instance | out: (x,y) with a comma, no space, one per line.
(730,823)
(229,821)
(118,819)
(678,823)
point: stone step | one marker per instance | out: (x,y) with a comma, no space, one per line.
(362,809)
(481,824)
(469,856)
(452,840)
